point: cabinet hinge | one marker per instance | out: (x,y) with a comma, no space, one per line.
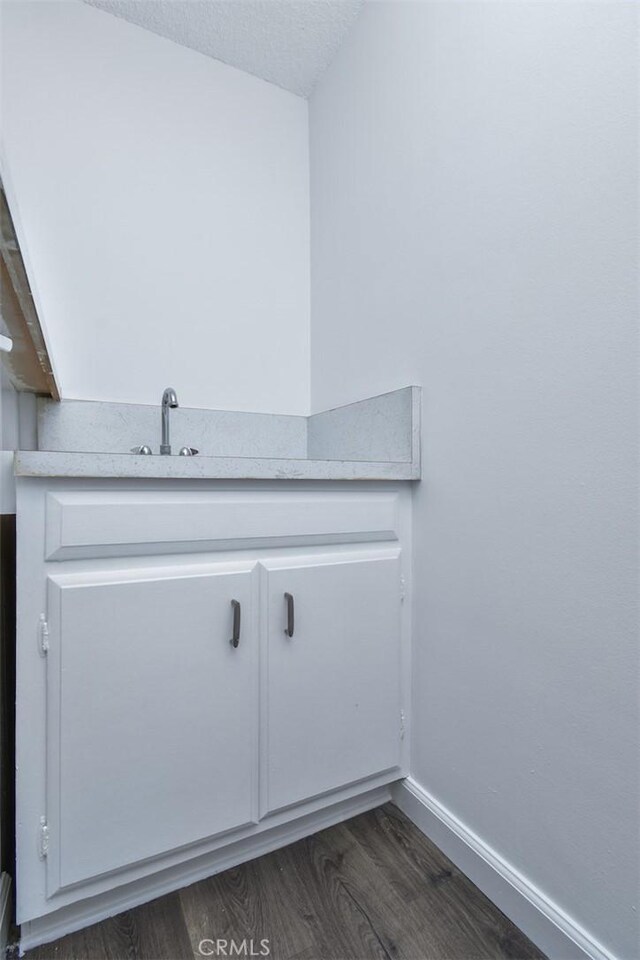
(403,587)
(43,840)
(402,724)
(43,635)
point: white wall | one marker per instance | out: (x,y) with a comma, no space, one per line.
(474,203)
(162,204)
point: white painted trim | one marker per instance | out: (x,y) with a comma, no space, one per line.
(5,911)
(92,910)
(7,483)
(543,921)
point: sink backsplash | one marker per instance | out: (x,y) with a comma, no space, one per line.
(95,427)
(383,428)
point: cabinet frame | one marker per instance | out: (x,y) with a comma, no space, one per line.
(171,870)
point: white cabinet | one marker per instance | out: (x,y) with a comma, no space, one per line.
(152,714)
(332,703)
(151,751)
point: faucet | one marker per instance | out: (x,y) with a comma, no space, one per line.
(169,400)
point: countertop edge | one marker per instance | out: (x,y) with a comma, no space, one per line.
(42,463)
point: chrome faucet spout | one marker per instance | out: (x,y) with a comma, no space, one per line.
(169,402)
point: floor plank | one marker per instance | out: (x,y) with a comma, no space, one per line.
(346,928)
(401,927)
(462,921)
(373,888)
(153,931)
(252,902)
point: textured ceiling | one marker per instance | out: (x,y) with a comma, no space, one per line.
(288,42)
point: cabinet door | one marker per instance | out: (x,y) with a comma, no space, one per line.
(152,717)
(332,690)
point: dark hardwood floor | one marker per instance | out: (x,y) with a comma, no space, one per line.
(373,888)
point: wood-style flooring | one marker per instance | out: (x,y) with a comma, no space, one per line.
(373,888)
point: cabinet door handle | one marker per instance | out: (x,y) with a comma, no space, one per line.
(235,639)
(290,614)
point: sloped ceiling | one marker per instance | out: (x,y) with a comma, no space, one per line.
(287,42)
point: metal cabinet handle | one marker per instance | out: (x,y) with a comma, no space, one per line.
(290,614)
(235,639)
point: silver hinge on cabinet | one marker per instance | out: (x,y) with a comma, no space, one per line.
(402,724)
(403,588)
(43,635)
(43,838)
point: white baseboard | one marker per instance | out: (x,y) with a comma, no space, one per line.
(67,919)
(558,935)
(5,911)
